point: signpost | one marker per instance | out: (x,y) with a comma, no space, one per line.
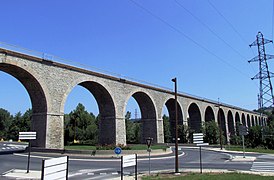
(118,151)
(128,161)
(55,168)
(149,141)
(243,130)
(27,136)
(198,139)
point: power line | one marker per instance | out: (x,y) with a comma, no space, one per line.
(187,37)
(233,28)
(230,24)
(272,18)
(211,30)
(214,33)
(227,21)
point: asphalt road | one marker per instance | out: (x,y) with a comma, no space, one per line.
(91,168)
(11,147)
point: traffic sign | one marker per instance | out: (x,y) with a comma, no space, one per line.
(243,130)
(198,138)
(117,150)
(27,135)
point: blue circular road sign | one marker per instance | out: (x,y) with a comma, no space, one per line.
(118,150)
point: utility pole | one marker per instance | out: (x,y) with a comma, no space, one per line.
(265,98)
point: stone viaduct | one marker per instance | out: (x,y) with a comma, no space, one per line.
(49,83)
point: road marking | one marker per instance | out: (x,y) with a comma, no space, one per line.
(8,171)
(100,160)
(263,167)
(75,174)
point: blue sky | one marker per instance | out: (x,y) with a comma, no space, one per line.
(202,43)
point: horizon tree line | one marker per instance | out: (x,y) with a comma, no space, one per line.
(82,127)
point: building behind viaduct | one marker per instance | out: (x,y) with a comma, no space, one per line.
(49,83)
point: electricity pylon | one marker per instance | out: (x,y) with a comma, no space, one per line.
(266,98)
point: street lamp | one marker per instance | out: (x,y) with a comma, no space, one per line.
(176,127)
(220,125)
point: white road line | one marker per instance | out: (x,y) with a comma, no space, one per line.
(99,160)
(8,171)
(75,174)
(263,167)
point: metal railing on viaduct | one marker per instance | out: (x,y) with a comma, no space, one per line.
(49,83)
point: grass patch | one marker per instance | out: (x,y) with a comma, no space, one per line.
(130,147)
(258,149)
(207,176)
(80,147)
(144,147)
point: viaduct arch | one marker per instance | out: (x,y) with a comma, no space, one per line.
(48,84)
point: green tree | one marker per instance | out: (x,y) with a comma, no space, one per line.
(182,133)
(132,130)
(254,137)
(81,125)
(5,122)
(14,124)
(167,132)
(133,135)
(14,128)
(211,132)
(129,128)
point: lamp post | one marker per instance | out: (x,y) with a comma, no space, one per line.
(176,127)
(220,125)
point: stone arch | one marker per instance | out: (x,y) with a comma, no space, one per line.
(195,120)
(222,124)
(265,121)
(148,115)
(238,122)
(209,114)
(252,121)
(170,104)
(256,121)
(243,119)
(107,126)
(230,122)
(261,121)
(248,121)
(38,97)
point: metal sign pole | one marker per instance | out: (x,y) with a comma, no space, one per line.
(43,169)
(122,168)
(149,160)
(149,141)
(29,157)
(27,136)
(201,168)
(136,167)
(243,137)
(67,167)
